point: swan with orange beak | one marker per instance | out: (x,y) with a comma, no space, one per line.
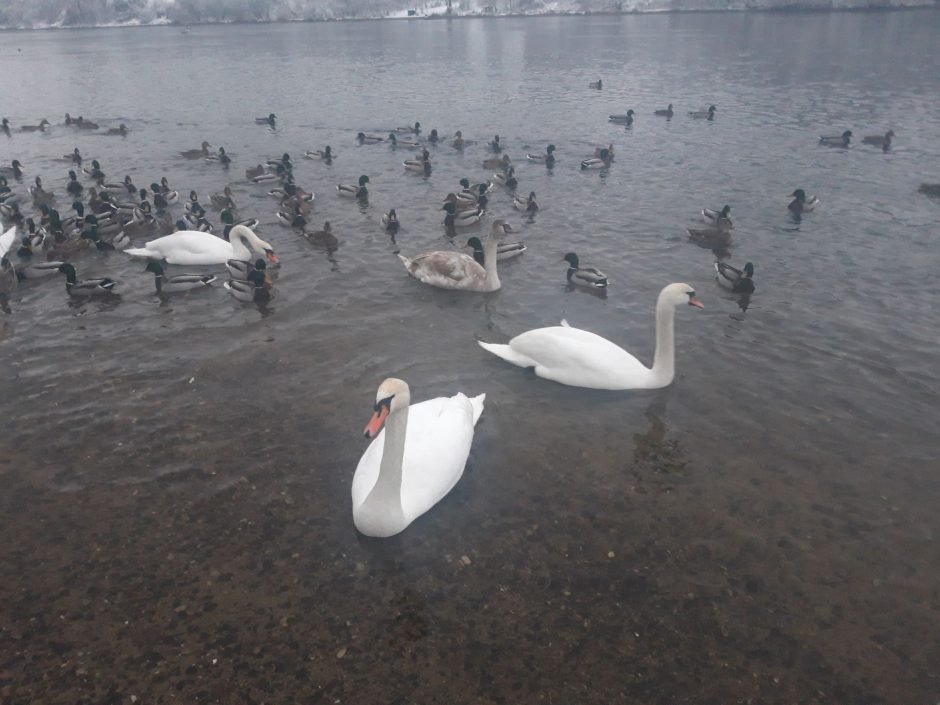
(414,461)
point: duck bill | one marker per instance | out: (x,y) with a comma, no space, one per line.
(695,302)
(375,423)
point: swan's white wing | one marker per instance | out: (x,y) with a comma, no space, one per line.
(192,247)
(580,358)
(437,443)
(6,240)
(447,270)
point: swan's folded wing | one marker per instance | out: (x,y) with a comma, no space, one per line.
(455,266)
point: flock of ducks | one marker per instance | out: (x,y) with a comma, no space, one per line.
(418,451)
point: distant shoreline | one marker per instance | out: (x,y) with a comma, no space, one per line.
(791,9)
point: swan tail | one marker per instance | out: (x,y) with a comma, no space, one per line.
(407,262)
(477,404)
(508,354)
(143,252)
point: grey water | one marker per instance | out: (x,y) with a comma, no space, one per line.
(763,528)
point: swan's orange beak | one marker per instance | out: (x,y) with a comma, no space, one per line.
(695,302)
(375,423)
(272,258)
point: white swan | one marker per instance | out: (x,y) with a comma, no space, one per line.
(415,461)
(455,270)
(194,247)
(582,359)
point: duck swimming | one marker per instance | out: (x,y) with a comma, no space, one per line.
(597,85)
(74,187)
(390,222)
(527,205)
(842,140)
(41,127)
(368,139)
(801,203)
(323,238)
(121,130)
(15,169)
(589,277)
(414,130)
(714,217)
(719,236)
(708,114)
(458,142)
(497,162)
(505,250)
(495,145)
(325,154)
(433,137)
(461,219)
(880,141)
(667,113)
(455,270)
(182,282)
(269,120)
(739,281)
(601,161)
(351,191)
(202,152)
(422,165)
(626,119)
(5,126)
(86,287)
(548,158)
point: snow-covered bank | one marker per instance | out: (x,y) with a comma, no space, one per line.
(36,14)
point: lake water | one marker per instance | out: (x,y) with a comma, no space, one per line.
(176,514)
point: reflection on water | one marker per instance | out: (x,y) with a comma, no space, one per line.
(177,470)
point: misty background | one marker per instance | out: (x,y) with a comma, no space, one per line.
(88,13)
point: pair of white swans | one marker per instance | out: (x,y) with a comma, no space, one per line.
(420,455)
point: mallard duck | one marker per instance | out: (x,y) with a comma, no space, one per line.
(74,187)
(368,139)
(930,189)
(590,277)
(626,119)
(292,219)
(254,171)
(351,191)
(269,120)
(323,238)
(599,162)
(256,288)
(41,127)
(455,270)
(75,157)
(495,145)
(181,282)
(548,158)
(86,287)
(713,217)
(599,151)
(667,113)
(463,202)
(458,142)
(126,186)
(597,85)
(390,222)
(433,138)
(802,203)
(740,282)
(324,154)
(461,219)
(842,140)
(422,165)
(84,124)
(708,114)
(527,205)
(28,268)
(220,157)
(880,141)
(415,130)
(242,268)
(506,178)
(5,126)
(15,169)
(39,194)
(120,130)
(202,152)
(497,162)
(95,172)
(504,250)
(223,200)
(710,237)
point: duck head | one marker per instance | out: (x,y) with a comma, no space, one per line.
(799,194)
(475,243)
(726,211)
(361,137)
(572,259)
(363,180)
(550,149)
(155,267)
(749,270)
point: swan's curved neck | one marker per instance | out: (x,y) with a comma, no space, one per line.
(242,239)
(384,501)
(490,254)
(664,360)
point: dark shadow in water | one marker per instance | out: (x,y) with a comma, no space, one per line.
(652,448)
(596,293)
(106,302)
